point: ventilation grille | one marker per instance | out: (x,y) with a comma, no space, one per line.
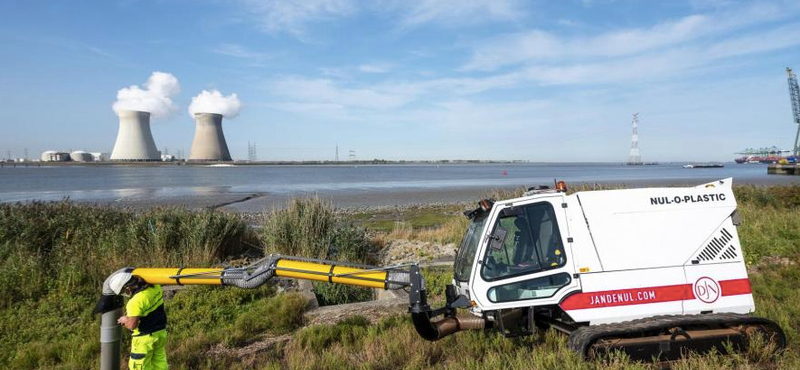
(718,247)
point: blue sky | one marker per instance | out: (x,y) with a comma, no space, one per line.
(402,79)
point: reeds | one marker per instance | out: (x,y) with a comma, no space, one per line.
(55,256)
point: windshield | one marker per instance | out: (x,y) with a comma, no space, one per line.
(469,246)
(528,241)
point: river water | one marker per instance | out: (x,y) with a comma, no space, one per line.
(248,188)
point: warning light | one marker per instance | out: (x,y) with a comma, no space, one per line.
(584,269)
(561,187)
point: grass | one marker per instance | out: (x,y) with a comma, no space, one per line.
(54,256)
(416,217)
(309,227)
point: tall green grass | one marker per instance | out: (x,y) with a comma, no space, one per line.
(309,227)
(55,256)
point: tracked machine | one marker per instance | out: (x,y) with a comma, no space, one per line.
(653,272)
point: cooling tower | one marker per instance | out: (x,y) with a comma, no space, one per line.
(134,140)
(209,141)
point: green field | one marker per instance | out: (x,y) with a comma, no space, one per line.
(54,257)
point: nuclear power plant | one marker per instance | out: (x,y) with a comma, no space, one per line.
(134,140)
(209,141)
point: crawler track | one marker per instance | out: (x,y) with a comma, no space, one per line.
(668,337)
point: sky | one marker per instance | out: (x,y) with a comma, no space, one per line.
(535,80)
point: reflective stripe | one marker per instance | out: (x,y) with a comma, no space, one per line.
(137,356)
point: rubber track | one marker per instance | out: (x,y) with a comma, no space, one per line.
(582,339)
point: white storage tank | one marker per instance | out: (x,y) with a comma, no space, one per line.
(81,156)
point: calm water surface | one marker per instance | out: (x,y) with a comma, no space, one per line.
(112,183)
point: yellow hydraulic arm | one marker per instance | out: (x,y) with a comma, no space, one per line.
(258,273)
(281,266)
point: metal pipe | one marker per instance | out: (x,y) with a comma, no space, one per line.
(434,331)
(110,335)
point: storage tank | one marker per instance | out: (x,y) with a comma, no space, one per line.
(209,141)
(47,156)
(81,156)
(55,156)
(134,140)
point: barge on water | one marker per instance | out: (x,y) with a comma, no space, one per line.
(704,165)
(784,169)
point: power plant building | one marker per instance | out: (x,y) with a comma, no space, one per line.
(134,140)
(209,141)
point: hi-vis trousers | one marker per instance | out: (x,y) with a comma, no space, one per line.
(148,351)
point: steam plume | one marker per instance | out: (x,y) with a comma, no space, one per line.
(214,102)
(155,97)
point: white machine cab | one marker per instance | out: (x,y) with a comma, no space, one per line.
(608,256)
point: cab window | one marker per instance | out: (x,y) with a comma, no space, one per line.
(524,240)
(542,287)
(468,249)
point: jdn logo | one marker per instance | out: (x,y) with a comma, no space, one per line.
(706,290)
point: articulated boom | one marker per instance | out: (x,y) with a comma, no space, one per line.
(260,272)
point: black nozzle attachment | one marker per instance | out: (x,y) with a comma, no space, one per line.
(108,303)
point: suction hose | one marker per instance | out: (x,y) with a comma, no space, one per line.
(110,305)
(421,312)
(436,330)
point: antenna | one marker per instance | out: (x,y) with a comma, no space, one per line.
(635,158)
(794,95)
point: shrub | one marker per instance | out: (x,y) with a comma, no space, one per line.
(303,228)
(352,244)
(309,228)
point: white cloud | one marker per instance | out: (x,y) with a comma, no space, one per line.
(459,12)
(155,97)
(537,45)
(324,91)
(239,51)
(375,67)
(294,17)
(214,102)
(277,16)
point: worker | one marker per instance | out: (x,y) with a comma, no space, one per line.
(146,319)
